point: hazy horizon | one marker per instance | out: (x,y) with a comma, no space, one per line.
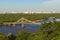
(29,5)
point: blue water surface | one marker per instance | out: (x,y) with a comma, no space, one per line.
(15,29)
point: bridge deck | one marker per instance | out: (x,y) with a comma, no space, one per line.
(14,23)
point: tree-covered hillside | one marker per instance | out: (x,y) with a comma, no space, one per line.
(48,31)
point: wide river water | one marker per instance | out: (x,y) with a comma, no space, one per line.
(27,28)
(14,30)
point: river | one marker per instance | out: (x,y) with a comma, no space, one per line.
(14,30)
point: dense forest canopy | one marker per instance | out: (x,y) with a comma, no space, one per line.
(33,17)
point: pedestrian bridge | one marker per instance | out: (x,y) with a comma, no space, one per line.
(20,21)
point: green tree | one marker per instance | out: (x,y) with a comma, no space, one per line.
(11,36)
(22,35)
(51,30)
(3,37)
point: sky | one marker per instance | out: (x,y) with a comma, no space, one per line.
(29,5)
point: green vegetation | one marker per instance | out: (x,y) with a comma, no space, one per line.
(48,31)
(3,37)
(51,30)
(15,17)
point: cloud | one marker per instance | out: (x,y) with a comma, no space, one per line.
(35,6)
(51,5)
